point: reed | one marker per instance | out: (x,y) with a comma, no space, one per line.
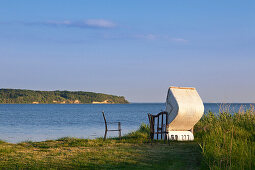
(227,140)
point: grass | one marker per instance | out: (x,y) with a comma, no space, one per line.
(227,140)
(222,141)
(131,152)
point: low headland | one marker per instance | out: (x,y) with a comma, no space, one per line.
(222,141)
(19,96)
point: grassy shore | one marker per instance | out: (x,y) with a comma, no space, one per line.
(222,141)
(131,152)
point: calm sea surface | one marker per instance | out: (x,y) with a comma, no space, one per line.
(22,122)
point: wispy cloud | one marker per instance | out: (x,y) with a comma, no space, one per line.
(90,23)
(99,23)
(106,24)
(179,40)
(146,36)
(160,37)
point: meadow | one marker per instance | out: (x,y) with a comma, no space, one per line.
(131,152)
(222,141)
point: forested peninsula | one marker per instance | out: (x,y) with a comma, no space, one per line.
(19,96)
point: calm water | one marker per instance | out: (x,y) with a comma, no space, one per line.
(22,122)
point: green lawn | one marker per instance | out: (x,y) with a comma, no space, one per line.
(131,152)
(69,153)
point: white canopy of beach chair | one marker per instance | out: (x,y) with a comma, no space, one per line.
(185,108)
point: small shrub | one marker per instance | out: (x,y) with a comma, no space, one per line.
(139,136)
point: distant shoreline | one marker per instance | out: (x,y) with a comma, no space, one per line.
(21,96)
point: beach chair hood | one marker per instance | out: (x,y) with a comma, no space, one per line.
(185,108)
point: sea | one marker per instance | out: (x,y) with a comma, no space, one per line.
(40,122)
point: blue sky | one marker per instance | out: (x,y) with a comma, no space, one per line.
(135,49)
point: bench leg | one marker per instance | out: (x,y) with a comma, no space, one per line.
(119,127)
(105,134)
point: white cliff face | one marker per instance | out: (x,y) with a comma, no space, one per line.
(185,108)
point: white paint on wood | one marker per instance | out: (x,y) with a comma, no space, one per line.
(180,136)
(184,107)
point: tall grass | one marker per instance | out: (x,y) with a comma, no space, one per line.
(227,140)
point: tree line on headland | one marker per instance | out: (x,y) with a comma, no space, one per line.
(19,96)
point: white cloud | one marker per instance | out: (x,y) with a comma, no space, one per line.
(160,37)
(179,40)
(99,23)
(90,23)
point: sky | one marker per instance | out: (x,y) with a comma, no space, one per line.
(135,49)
